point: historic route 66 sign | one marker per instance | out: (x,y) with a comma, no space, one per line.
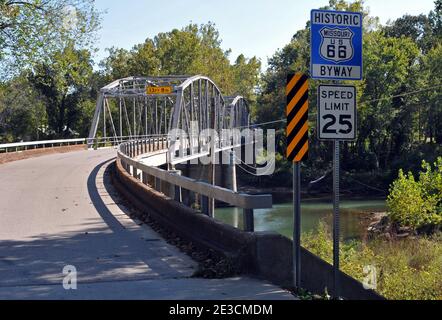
(336,45)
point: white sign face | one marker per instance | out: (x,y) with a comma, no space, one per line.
(337,112)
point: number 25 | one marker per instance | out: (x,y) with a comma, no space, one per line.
(343,121)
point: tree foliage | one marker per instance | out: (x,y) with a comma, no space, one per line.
(30,30)
(22,113)
(417,203)
(192,50)
(399,101)
(63,83)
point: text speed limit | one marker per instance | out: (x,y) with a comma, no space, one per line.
(337,112)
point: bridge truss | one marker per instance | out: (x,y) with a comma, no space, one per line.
(125,110)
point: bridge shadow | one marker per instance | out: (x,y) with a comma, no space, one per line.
(101,248)
(97,200)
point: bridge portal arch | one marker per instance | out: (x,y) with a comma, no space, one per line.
(179,103)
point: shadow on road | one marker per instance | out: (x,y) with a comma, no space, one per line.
(103,251)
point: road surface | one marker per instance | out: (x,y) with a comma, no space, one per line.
(60,210)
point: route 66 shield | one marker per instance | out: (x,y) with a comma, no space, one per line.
(337,44)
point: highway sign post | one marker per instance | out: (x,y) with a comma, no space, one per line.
(336,45)
(336,54)
(297,92)
(337,121)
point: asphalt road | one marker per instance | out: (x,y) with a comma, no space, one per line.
(59,210)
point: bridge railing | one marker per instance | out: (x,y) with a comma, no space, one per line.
(104,142)
(22,146)
(98,142)
(172,183)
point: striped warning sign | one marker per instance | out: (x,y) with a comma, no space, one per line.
(297,117)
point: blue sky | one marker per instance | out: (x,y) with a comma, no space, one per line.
(252,27)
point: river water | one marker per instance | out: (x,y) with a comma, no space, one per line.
(280,217)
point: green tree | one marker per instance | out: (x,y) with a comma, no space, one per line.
(64,84)
(31,30)
(386,125)
(189,51)
(417,28)
(116,64)
(417,203)
(22,113)
(432,115)
(246,77)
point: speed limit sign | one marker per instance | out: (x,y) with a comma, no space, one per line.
(337,112)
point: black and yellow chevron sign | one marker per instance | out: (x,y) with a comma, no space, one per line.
(297,117)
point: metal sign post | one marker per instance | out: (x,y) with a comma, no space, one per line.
(336,219)
(297,151)
(336,54)
(297,224)
(337,122)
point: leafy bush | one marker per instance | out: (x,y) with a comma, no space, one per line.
(406,269)
(417,203)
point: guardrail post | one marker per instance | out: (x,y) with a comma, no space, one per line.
(124,164)
(151,181)
(205,205)
(144,177)
(175,191)
(249,224)
(157,184)
(134,172)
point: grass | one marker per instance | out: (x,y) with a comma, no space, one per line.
(407,269)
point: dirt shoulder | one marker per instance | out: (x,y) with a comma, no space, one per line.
(21,155)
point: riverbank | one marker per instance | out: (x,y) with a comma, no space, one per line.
(399,269)
(404,266)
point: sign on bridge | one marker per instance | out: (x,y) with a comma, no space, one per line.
(336,45)
(159,90)
(337,112)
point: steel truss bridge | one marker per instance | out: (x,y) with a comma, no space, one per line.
(143,123)
(125,110)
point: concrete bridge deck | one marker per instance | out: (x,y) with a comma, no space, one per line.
(60,210)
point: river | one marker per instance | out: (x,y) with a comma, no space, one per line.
(280,217)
